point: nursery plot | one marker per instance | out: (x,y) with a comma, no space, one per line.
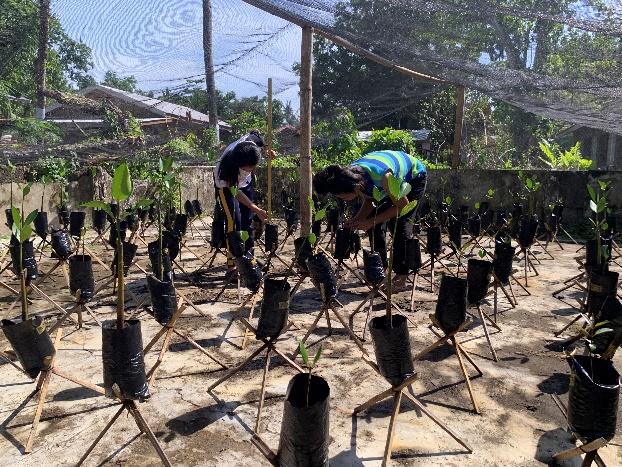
(519,422)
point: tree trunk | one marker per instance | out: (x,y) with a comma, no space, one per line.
(208,57)
(306,76)
(42,55)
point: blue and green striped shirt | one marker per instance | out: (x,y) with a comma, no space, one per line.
(378,163)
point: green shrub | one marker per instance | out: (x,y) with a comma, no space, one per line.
(389,139)
(34,131)
(570,159)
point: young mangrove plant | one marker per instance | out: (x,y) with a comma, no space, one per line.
(598,207)
(310,365)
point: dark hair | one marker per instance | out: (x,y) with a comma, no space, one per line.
(337,180)
(244,154)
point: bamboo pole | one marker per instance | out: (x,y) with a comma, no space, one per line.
(270,145)
(306,73)
(455,160)
(42,56)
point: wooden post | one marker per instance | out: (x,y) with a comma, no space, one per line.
(208,59)
(455,160)
(306,74)
(42,56)
(270,145)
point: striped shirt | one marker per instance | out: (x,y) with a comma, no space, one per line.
(378,163)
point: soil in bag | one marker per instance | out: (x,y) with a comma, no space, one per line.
(31,343)
(593,397)
(373,267)
(455,233)
(271,237)
(479,273)
(81,277)
(123,360)
(322,276)
(303,250)
(600,286)
(61,244)
(181,224)
(189,209)
(343,244)
(452,303)
(502,263)
(250,271)
(433,241)
(76,223)
(305,429)
(274,308)
(157,259)
(235,244)
(413,254)
(41,224)
(163,299)
(99,220)
(129,251)
(392,348)
(29,262)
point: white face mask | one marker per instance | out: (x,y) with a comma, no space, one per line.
(244,174)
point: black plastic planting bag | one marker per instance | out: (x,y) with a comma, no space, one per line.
(607,326)
(81,276)
(9,217)
(455,233)
(63,215)
(392,348)
(487,219)
(76,223)
(502,263)
(31,343)
(464,214)
(593,397)
(303,250)
(272,237)
(443,214)
(291,219)
(591,254)
(169,218)
(479,273)
(250,271)
(189,209)
(373,267)
(305,433)
(129,251)
(527,232)
(257,226)
(99,220)
(433,244)
(322,276)
(274,308)
(163,299)
(600,286)
(501,218)
(152,212)
(198,209)
(236,244)
(517,211)
(452,303)
(475,226)
(143,214)
(413,254)
(61,244)
(355,240)
(332,219)
(316,228)
(558,210)
(343,244)
(112,238)
(41,224)
(29,262)
(160,261)
(483,207)
(181,224)
(132,222)
(172,242)
(114,209)
(123,359)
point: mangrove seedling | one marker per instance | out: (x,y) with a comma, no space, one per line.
(310,365)
(598,206)
(531,187)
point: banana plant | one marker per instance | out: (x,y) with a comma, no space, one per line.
(309,364)
(398,189)
(598,206)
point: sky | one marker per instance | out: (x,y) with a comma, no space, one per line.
(160,43)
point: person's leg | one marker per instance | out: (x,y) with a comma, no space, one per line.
(246,218)
(231,209)
(377,234)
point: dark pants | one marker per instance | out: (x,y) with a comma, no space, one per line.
(237,216)
(377,234)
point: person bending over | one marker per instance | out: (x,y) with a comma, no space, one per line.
(358,181)
(234,169)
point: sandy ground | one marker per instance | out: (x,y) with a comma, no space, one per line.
(519,425)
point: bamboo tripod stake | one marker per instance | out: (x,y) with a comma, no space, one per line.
(269,149)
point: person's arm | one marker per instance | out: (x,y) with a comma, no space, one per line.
(242,198)
(366,209)
(389,213)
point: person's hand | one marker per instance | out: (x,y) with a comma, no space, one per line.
(350,223)
(263,215)
(359,224)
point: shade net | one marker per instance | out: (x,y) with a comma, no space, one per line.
(556,59)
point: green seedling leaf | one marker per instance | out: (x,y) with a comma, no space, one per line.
(477,205)
(144,203)
(321,214)
(243,235)
(17,217)
(318,354)
(377,194)
(490,193)
(234,191)
(394,186)
(122,183)
(602,331)
(31,217)
(25,233)
(311,203)
(481,253)
(312,238)
(10,165)
(592,193)
(409,207)
(26,190)
(15,230)
(303,353)
(604,226)
(98,205)
(404,190)
(448,200)
(603,185)
(593,206)
(601,323)
(602,204)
